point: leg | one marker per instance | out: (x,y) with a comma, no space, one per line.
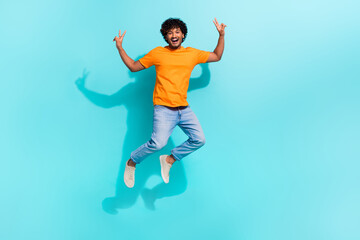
(192,128)
(164,123)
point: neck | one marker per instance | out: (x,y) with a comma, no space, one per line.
(174,48)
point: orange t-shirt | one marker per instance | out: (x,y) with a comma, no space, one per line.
(173,71)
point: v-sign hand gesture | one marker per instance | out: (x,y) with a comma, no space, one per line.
(119,39)
(220,28)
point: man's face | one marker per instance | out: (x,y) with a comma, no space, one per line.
(174,37)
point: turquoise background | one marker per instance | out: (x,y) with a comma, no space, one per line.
(280,112)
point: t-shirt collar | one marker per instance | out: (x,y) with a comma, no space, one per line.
(174,50)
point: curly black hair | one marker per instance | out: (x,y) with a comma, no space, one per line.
(173,23)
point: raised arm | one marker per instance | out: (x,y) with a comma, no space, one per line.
(134,66)
(216,55)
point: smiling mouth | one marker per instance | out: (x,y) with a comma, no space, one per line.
(174,40)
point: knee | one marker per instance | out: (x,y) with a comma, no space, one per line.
(199,141)
(202,141)
(157,144)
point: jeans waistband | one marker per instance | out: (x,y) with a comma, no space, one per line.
(176,108)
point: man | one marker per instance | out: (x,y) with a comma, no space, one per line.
(173,65)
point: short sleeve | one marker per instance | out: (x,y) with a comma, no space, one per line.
(202,56)
(149,59)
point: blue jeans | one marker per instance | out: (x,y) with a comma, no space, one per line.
(164,122)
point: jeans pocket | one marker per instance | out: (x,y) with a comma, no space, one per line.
(157,108)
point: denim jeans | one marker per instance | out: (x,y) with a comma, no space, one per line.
(164,122)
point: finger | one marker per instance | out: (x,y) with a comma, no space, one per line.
(216,21)
(123,34)
(216,25)
(119,33)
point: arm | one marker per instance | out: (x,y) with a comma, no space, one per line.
(216,55)
(134,66)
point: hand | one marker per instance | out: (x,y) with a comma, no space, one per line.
(119,39)
(220,28)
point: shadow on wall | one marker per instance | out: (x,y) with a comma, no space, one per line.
(137,98)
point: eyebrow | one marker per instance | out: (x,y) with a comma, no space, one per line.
(176,30)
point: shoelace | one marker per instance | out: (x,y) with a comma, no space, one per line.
(131,177)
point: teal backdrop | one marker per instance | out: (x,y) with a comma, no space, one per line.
(280,113)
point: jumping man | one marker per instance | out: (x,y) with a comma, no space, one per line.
(173,65)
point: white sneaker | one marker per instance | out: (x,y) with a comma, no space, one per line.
(129,175)
(165,168)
